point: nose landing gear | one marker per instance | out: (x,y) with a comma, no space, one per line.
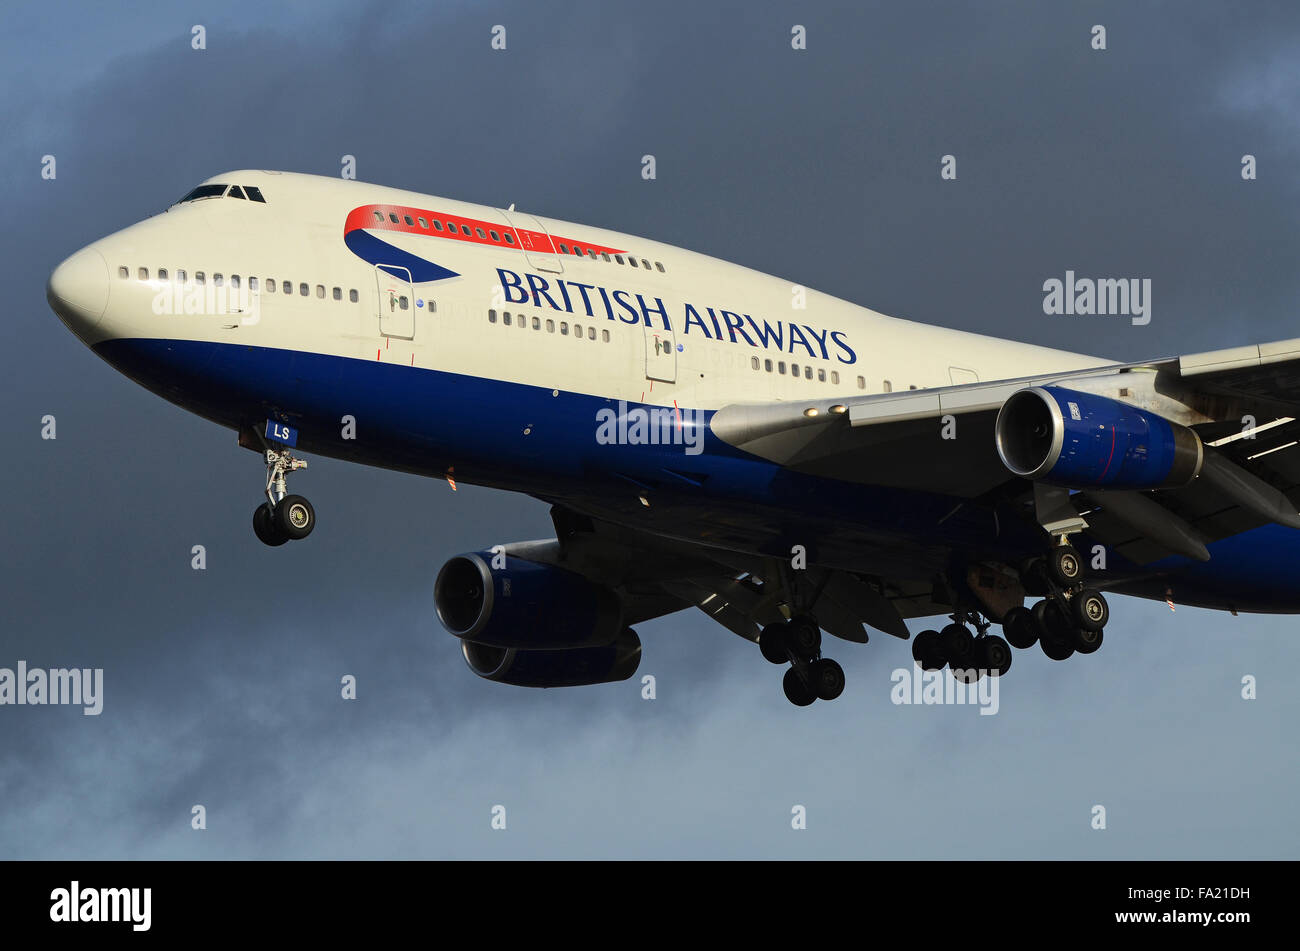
(282,517)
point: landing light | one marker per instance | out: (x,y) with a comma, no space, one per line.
(839,408)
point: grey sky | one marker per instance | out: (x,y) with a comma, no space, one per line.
(222,686)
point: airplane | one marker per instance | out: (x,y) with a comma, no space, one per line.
(788,463)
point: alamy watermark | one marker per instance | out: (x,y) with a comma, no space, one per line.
(651,426)
(59,685)
(934,687)
(1102,297)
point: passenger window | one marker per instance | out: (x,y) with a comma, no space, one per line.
(753,362)
(480,232)
(862,383)
(200,277)
(591,333)
(393,218)
(591,254)
(821,376)
(780,367)
(492,316)
(510,239)
(338,293)
(604,336)
(254,193)
(423,224)
(235,192)
(659,266)
(352,295)
(379,217)
(408,220)
(550,326)
(123,272)
(162,274)
(320,291)
(234,281)
(433,306)
(767,365)
(505,318)
(889,387)
(537,323)
(631,260)
(304,290)
(835,377)
(451,228)
(807,373)
(618,258)
(794,369)
(563,248)
(218,280)
(605,255)
(143,274)
(287,287)
(252,283)
(564,329)
(270,285)
(495,236)
(180,276)
(645,264)
(402,302)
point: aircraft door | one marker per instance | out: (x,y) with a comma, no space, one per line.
(396,301)
(660,354)
(535,241)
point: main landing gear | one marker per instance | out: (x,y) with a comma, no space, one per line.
(969,656)
(282,517)
(798,642)
(1070,618)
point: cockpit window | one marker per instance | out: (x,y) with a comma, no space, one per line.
(255,193)
(204,191)
(235,192)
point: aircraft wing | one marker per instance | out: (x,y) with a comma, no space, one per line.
(1243,403)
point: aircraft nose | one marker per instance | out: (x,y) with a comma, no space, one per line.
(78,290)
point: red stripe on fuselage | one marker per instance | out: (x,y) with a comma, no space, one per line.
(380,218)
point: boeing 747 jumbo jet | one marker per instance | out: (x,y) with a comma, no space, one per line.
(706,436)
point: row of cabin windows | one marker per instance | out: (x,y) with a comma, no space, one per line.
(452,228)
(794,369)
(807,372)
(219,280)
(521,321)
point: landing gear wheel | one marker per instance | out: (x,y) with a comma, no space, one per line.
(1090,609)
(265,527)
(927,650)
(803,637)
(956,640)
(1086,641)
(771,643)
(1020,627)
(295,517)
(993,655)
(1065,565)
(796,691)
(827,678)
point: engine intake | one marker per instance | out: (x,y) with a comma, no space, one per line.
(1081,440)
(524,605)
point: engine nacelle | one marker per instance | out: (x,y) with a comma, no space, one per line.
(1081,440)
(579,667)
(524,605)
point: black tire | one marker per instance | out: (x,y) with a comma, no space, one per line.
(1033,578)
(803,637)
(796,691)
(295,517)
(1065,565)
(1053,623)
(993,655)
(771,643)
(1087,642)
(927,650)
(827,678)
(956,640)
(1056,648)
(1020,628)
(265,527)
(1090,610)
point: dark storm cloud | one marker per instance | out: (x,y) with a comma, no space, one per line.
(222,686)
